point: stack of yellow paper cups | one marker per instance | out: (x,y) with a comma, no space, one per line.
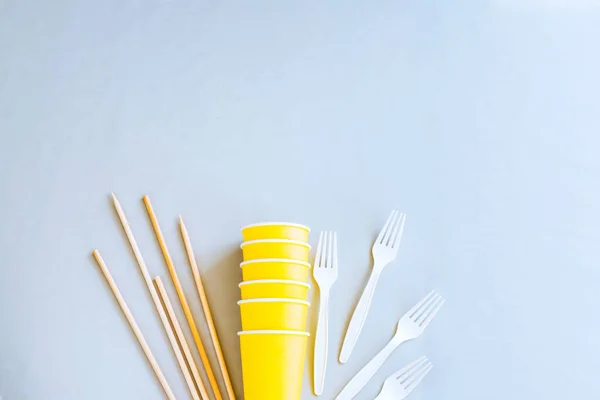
(274,310)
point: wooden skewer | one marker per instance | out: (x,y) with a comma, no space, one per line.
(134,326)
(155,299)
(179,333)
(184,303)
(206,308)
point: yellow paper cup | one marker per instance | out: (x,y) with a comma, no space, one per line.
(274,288)
(273,364)
(278,314)
(275,268)
(276,230)
(275,248)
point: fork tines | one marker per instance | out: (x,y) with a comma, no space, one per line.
(391,234)
(326,256)
(411,375)
(425,310)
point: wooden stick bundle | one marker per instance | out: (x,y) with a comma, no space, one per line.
(184,303)
(155,299)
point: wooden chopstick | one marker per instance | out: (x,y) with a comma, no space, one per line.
(206,308)
(179,333)
(155,299)
(134,326)
(184,303)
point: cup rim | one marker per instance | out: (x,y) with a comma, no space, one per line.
(274,300)
(281,260)
(274,332)
(286,241)
(277,223)
(285,281)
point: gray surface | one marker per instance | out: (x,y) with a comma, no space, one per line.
(477,118)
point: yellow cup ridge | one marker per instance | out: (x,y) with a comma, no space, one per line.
(276,230)
(273,364)
(277,314)
(274,288)
(275,268)
(275,248)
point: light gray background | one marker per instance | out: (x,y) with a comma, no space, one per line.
(480,119)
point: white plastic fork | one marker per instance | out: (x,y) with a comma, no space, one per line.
(400,384)
(410,326)
(384,252)
(325,272)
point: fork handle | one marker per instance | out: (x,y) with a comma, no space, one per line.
(366,373)
(321,344)
(359,316)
